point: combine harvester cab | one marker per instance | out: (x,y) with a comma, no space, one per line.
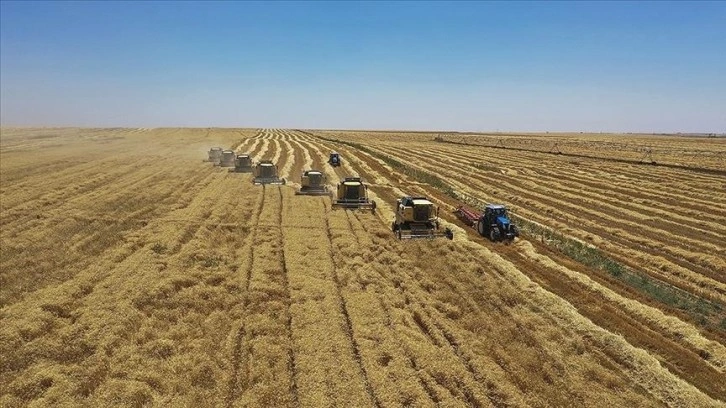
(417,217)
(227,158)
(242,164)
(214,155)
(266,173)
(334,159)
(493,223)
(313,183)
(353,193)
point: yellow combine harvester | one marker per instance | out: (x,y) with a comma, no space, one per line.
(227,158)
(417,217)
(313,183)
(353,193)
(242,164)
(266,173)
(214,155)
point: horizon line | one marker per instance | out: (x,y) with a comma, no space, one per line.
(442,131)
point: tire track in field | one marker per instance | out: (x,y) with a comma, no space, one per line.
(461,392)
(292,365)
(234,380)
(427,324)
(328,372)
(264,332)
(434,329)
(346,314)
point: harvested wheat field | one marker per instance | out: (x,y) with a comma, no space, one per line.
(133,273)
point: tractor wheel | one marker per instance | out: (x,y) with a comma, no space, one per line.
(398,232)
(515,230)
(480,228)
(494,234)
(393,227)
(373,206)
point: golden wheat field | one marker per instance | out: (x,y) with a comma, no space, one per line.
(135,274)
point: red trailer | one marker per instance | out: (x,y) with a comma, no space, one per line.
(467,215)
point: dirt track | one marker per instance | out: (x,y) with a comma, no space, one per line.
(135,273)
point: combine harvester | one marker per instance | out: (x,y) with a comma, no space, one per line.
(313,183)
(417,217)
(242,164)
(493,223)
(266,173)
(353,193)
(214,155)
(227,158)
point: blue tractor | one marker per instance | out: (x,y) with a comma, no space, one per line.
(334,159)
(495,224)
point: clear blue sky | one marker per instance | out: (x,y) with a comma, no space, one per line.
(572,66)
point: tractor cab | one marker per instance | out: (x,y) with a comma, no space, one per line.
(334,159)
(495,223)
